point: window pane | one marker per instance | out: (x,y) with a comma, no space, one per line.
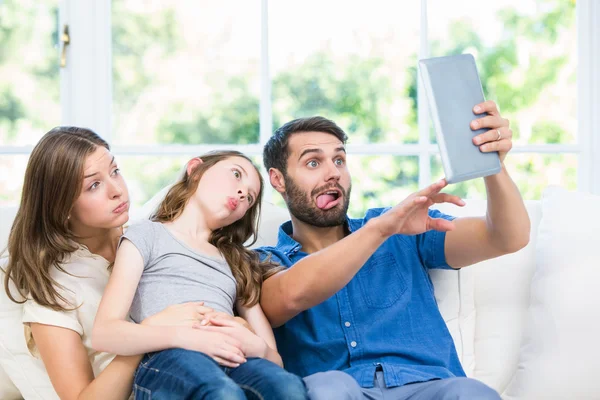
(473,189)
(526,55)
(347,62)
(147,175)
(185,72)
(381,181)
(29,88)
(531,172)
(12,173)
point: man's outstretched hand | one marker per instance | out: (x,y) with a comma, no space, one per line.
(411,216)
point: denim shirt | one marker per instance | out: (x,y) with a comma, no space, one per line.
(385,316)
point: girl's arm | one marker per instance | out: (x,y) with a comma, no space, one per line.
(114,334)
(68,366)
(259,322)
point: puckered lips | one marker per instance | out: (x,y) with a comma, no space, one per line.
(329,199)
(232,203)
(124,206)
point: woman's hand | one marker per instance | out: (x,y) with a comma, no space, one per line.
(251,344)
(185,314)
(224,349)
(221,315)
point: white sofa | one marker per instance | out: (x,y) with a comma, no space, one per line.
(515,328)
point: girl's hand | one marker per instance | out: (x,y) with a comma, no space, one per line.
(251,344)
(222,315)
(185,314)
(224,349)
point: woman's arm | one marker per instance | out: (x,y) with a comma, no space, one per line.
(68,366)
(259,322)
(260,344)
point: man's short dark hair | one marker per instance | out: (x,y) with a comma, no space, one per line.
(276,151)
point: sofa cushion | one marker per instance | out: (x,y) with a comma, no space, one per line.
(26,372)
(7,215)
(492,298)
(270,219)
(8,390)
(560,352)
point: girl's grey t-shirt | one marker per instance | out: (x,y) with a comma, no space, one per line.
(174,273)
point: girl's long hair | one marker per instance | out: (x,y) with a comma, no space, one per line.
(40,238)
(247,268)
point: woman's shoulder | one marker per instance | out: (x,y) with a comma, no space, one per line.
(80,263)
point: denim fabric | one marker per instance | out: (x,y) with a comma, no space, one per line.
(185,374)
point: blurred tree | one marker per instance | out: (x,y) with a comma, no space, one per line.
(28,64)
(497,66)
(355,92)
(133,35)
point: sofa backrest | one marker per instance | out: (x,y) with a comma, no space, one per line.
(7,215)
(484,306)
(487,304)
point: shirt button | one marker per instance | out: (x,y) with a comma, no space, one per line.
(347,324)
(353,343)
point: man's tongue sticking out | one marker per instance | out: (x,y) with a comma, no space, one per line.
(324,199)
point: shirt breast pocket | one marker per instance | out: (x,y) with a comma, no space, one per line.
(381,282)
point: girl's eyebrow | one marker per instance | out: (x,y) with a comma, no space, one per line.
(242,168)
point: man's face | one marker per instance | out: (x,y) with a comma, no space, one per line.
(317,183)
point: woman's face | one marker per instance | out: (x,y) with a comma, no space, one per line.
(104,199)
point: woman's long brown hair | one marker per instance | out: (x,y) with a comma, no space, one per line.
(247,268)
(40,238)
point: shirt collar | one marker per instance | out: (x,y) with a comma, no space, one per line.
(289,246)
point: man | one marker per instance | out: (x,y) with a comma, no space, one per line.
(354,312)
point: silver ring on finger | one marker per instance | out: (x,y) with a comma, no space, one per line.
(499,135)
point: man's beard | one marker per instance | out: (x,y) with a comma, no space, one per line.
(301,206)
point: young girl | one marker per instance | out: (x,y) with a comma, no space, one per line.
(192,249)
(63,239)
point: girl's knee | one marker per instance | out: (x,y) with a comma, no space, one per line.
(222,389)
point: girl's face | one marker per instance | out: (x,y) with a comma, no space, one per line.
(226,191)
(104,199)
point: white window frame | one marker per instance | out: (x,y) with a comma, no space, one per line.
(588,95)
(89,71)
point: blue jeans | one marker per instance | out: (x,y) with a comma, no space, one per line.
(185,374)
